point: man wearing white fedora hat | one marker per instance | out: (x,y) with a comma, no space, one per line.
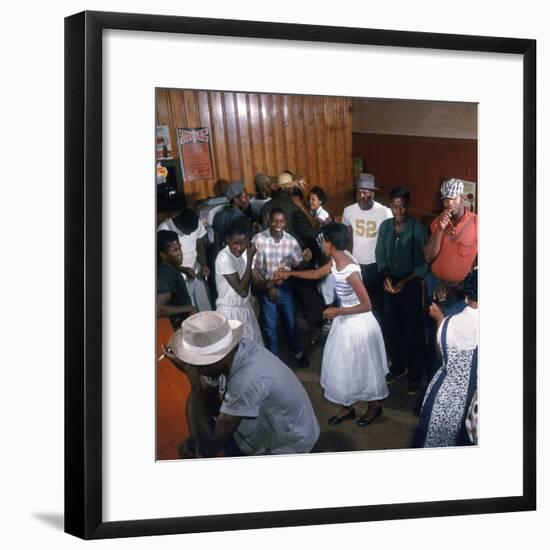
(265,408)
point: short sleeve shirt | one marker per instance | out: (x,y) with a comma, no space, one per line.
(188,242)
(226,264)
(457,254)
(462,330)
(278,417)
(273,255)
(365,225)
(170,281)
(321,214)
(297,223)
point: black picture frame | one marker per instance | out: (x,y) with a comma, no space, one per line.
(83,273)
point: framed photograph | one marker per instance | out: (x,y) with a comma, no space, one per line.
(114,411)
(163,143)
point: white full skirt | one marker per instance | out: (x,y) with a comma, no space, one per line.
(354,363)
(245,314)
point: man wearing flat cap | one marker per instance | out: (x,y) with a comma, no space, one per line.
(363,220)
(265,408)
(238,203)
(452,252)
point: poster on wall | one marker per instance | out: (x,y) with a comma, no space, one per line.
(470,195)
(194,146)
(163,143)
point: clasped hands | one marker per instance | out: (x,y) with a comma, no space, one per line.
(283,274)
(391,288)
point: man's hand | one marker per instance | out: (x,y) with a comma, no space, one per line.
(251,251)
(205,271)
(398,287)
(281,275)
(272,294)
(331,313)
(441,292)
(435,313)
(388,287)
(307,255)
(188,272)
(443,219)
(191,371)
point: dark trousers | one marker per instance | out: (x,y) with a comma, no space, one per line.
(406,330)
(373,283)
(285,307)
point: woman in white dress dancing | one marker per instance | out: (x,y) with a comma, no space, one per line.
(233,275)
(354,365)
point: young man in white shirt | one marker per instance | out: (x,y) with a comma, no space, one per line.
(191,232)
(363,220)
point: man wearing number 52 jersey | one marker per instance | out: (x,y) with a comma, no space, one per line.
(363,219)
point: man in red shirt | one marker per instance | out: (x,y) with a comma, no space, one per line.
(452,251)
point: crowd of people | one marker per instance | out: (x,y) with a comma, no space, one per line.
(384,295)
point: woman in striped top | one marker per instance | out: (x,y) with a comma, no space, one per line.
(354,366)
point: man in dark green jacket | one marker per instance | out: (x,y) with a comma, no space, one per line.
(401,262)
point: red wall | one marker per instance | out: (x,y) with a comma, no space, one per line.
(418,163)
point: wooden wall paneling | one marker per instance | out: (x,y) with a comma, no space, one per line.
(299,131)
(179,120)
(269,133)
(330,141)
(172,129)
(289,132)
(162,114)
(203,106)
(191,109)
(340,145)
(321,131)
(192,120)
(232,138)
(219,149)
(258,161)
(268,143)
(418,163)
(246,159)
(348,157)
(310,136)
(279,149)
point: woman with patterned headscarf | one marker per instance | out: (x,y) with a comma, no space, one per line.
(442,420)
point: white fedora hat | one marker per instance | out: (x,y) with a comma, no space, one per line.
(205,338)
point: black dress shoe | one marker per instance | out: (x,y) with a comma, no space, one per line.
(335,420)
(365,420)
